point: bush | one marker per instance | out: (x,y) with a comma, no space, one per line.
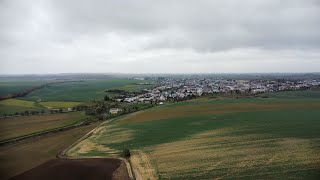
(126,153)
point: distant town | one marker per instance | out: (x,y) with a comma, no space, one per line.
(179,88)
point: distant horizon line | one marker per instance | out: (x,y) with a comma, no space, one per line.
(121,73)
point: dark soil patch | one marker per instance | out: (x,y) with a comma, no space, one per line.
(95,169)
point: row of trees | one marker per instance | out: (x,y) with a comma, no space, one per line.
(56,111)
(25,113)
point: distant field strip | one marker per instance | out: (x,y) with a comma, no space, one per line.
(216,139)
(207,109)
(60,104)
(23,125)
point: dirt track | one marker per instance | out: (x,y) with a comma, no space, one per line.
(78,169)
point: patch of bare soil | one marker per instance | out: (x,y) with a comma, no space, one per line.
(121,173)
(77,169)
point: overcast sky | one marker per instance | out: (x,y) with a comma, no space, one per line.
(165,36)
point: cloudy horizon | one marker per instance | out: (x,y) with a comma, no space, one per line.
(230,36)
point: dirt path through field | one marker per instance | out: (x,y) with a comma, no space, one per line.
(142,166)
(64,154)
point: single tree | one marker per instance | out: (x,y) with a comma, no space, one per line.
(106,98)
(99,110)
(126,153)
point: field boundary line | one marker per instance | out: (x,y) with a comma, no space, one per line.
(41,133)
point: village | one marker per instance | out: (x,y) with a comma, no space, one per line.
(180,88)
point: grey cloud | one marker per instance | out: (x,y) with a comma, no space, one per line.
(206,25)
(46,31)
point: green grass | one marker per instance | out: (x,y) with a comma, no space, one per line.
(79,91)
(253,138)
(60,104)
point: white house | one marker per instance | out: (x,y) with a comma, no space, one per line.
(115,110)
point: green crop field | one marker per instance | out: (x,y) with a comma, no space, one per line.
(81,91)
(63,95)
(11,106)
(312,93)
(25,125)
(9,87)
(250,138)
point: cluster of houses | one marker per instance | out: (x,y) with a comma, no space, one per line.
(178,88)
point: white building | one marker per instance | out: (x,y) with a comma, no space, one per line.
(115,110)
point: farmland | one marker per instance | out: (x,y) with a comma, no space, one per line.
(24,125)
(312,93)
(11,106)
(80,169)
(9,87)
(18,158)
(60,104)
(217,138)
(62,95)
(81,91)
